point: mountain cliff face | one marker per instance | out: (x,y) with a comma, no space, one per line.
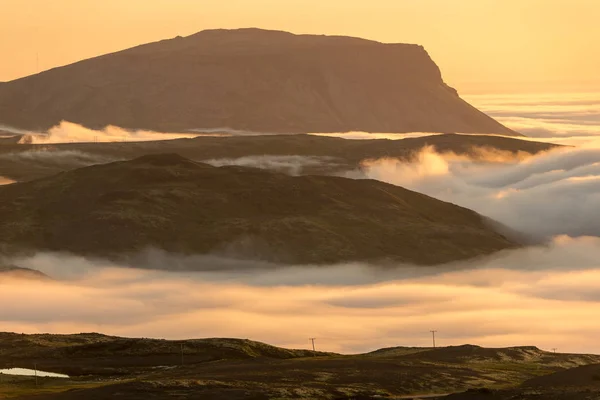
(249,79)
(169,202)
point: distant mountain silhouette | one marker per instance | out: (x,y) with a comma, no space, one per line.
(169,202)
(249,79)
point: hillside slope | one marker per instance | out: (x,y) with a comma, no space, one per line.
(104,367)
(249,79)
(332,155)
(172,203)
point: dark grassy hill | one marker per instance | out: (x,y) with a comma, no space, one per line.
(477,354)
(95,354)
(583,377)
(104,367)
(169,202)
(26,162)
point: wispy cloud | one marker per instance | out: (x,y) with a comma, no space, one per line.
(291,165)
(67,132)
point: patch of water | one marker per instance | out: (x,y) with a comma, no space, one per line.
(31,372)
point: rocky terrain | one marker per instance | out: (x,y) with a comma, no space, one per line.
(250,80)
(168,202)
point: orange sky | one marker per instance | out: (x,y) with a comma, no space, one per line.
(481,45)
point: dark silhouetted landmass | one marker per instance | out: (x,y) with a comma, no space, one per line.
(104,367)
(252,80)
(26,162)
(169,202)
(13,271)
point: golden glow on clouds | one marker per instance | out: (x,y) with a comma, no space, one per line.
(562,118)
(5,181)
(481,45)
(534,196)
(545,297)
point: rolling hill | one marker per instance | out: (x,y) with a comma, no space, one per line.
(168,202)
(250,80)
(103,367)
(26,161)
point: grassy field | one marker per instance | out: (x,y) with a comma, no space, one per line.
(102,367)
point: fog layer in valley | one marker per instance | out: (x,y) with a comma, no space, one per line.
(68,132)
(563,118)
(5,181)
(542,296)
(545,195)
(291,165)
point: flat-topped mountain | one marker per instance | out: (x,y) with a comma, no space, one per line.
(169,202)
(249,79)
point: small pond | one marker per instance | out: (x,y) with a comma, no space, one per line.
(31,372)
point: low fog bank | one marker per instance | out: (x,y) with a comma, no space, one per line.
(509,299)
(568,117)
(230,132)
(68,132)
(5,181)
(358,135)
(46,160)
(291,165)
(48,156)
(552,193)
(11,130)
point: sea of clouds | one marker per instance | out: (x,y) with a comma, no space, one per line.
(545,295)
(564,118)
(549,194)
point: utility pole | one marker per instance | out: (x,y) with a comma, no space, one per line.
(35,369)
(312,339)
(182,354)
(433,336)
(554,349)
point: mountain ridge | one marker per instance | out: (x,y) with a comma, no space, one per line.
(256,80)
